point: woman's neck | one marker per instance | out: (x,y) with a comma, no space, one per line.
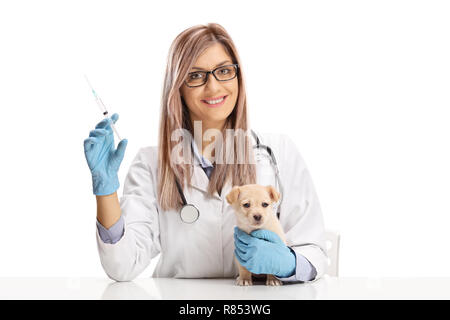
(203,140)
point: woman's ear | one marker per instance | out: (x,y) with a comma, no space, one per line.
(233,195)
(274,194)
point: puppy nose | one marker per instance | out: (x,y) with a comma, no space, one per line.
(257,217)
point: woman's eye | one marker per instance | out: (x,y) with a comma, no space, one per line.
(265,204)
(224,71)
(246,205)
(195,75)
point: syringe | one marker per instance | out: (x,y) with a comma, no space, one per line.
(102,106)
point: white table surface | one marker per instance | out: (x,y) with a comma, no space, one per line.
(223,289)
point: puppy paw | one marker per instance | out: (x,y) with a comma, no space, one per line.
(243,282)
(273,282)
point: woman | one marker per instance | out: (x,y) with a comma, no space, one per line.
(147,221)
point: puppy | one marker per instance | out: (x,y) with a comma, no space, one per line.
(252,204)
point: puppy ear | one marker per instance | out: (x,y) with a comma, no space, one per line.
(233,195)
(274,194)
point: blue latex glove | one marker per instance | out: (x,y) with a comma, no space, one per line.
(263,252)
(102,159)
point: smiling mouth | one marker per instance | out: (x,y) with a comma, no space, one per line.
(215,102)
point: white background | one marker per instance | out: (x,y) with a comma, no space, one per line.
(361,86)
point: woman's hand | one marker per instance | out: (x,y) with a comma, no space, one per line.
(263,252)
(102,159)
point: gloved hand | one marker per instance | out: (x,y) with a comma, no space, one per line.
(102,159)
(263,252)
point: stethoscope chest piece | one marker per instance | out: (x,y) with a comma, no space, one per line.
(189,213)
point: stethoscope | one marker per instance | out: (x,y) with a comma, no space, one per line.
(189,213)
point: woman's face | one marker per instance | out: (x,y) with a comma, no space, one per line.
(211,116)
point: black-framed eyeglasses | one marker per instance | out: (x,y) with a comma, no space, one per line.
(223,73)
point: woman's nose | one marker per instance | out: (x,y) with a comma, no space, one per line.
(211,82)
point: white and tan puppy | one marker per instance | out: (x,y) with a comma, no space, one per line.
(253,206)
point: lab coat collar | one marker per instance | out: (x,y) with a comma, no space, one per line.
(199,178)
(200,181)
(199,159)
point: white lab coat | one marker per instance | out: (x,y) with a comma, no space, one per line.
(206,248)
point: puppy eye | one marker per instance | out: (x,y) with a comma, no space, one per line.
(246,205)
(265,204)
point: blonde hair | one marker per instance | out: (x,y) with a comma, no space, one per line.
(183,53)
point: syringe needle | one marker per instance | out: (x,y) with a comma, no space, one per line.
(102,107)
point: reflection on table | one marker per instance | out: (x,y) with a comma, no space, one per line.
(223,289)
